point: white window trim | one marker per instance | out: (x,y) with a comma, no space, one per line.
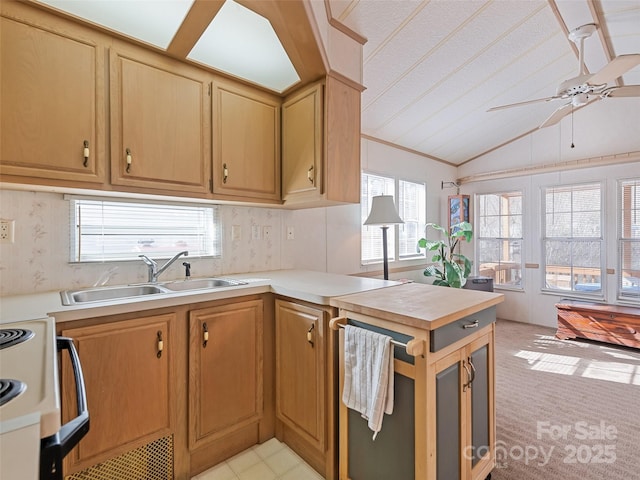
(477,239)
(619,210)
(216,239)
(603,250)
(418,258)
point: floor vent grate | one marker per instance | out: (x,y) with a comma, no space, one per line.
(153,461)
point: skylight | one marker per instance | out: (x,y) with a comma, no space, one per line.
(238,41)
(152,21)
(244,44)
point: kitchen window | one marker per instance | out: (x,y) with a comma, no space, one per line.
(103,231)
(572,241)
(499,239)
(629,241)
(402,240)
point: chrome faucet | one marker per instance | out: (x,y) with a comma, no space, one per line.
(154,271)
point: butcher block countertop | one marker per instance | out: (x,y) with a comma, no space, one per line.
(418,305)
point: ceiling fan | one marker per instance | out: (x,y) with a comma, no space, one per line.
(586,88)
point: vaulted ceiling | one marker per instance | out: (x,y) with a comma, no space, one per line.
(433,68)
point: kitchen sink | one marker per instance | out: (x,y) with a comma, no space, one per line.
(201,284)
(101,294)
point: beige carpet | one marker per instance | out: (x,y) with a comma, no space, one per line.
(565,409)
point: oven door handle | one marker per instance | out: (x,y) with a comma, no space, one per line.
(54,448)
(72,431)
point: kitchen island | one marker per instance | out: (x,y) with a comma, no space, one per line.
(443,424)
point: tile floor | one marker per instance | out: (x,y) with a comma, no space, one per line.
(272,460)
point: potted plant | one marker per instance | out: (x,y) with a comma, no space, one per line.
(453,268)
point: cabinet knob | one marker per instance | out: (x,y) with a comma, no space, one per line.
(129,160)
(160,344)
(205,334)
(85,153)
(225,173)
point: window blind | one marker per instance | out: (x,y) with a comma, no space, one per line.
(629,241)
(104,230)
(371,238)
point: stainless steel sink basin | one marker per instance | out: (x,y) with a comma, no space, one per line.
(201,284)
(101,294)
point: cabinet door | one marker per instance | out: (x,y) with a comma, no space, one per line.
(300,370)
(246,154)
(160,127)
(129,382)
(449,408)
(225,365)
(481,409)
(302,143)
(52,107)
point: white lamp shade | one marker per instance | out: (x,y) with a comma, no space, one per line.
(383,211)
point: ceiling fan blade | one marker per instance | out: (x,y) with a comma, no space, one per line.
(557,115)
(625,91)
(519,104)
(615,68)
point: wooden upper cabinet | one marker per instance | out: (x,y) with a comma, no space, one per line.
(246,142)
(160,123)
(53,101)
(302,143)
(321,145)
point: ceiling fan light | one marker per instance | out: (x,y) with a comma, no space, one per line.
(580,99)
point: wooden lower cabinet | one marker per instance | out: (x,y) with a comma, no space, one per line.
(226,376)
(130,377)
(305,386)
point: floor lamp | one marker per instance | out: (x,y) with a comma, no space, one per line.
(383,212)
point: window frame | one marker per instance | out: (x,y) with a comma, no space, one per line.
(212,235)
(622,239)
(521,239)
(393,234)
(572,292)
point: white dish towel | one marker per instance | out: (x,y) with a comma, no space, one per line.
(368,375)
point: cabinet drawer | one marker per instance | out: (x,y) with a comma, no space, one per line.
(452,332)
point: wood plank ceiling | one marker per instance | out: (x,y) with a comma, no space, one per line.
(432,68)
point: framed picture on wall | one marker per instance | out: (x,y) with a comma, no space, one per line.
(458,209)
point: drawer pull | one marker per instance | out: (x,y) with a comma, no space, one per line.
(160,344)
(471,325)
(310,174)
(225,173)
(205,334)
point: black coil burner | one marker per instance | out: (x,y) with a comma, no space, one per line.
(14,336)
(9,389)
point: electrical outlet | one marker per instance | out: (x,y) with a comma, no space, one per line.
(291,233)
(255,232)
(266,232)
(6,231)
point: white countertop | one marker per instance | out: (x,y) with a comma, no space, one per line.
(314,287)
